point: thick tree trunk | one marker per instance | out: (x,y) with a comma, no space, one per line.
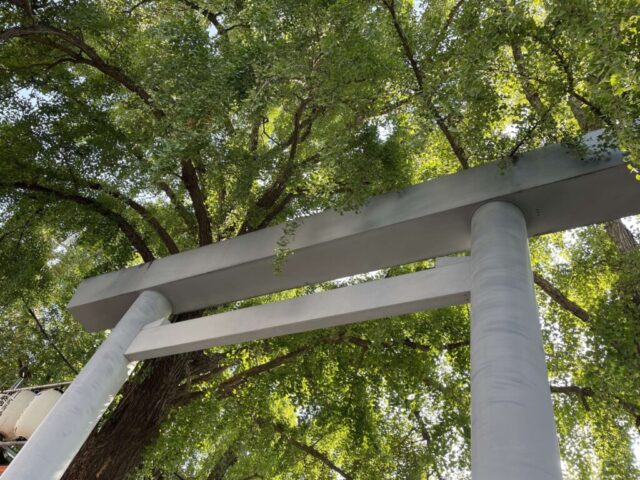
(617,231)
(226,461)
(115,449)
(621,236)
(585,118)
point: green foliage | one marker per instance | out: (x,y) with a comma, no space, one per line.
(115,114)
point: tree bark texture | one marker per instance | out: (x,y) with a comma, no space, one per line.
(115,449)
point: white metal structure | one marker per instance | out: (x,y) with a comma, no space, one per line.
(490,209)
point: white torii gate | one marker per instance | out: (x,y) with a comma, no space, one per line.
(491,210)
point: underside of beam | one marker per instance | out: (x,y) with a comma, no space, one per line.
(555,187)
(428,289)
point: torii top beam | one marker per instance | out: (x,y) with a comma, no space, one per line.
(554,187)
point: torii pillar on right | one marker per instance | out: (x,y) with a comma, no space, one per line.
(513,434)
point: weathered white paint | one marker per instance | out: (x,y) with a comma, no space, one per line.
(56,441)
(553,186)
(438,287)
(513,432)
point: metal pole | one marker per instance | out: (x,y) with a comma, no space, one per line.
(513,433)
(36,387)
(50,450)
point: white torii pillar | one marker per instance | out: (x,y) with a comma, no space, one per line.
(513,435)
(57,440)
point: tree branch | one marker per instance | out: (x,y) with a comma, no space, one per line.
(212,17)
(268,200)
(227,387)
(581,392)
(424,431)
(190,179)
(125,227)
(86,55)
(24,5)
(311,451)
(50,340)
(587,392)
(617,231)
(410,56)
(155,224)
(560,298)
(129,11)
(143,212)
(404,42)
(621,236)
(447,24)
(295,134)
(530,92)
(177,204)
(570,79)
(224,463)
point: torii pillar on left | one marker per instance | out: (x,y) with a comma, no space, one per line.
(57,440)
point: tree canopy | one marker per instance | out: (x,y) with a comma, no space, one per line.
(135,129)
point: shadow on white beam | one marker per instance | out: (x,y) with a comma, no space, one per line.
(553,186)
(435,288)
